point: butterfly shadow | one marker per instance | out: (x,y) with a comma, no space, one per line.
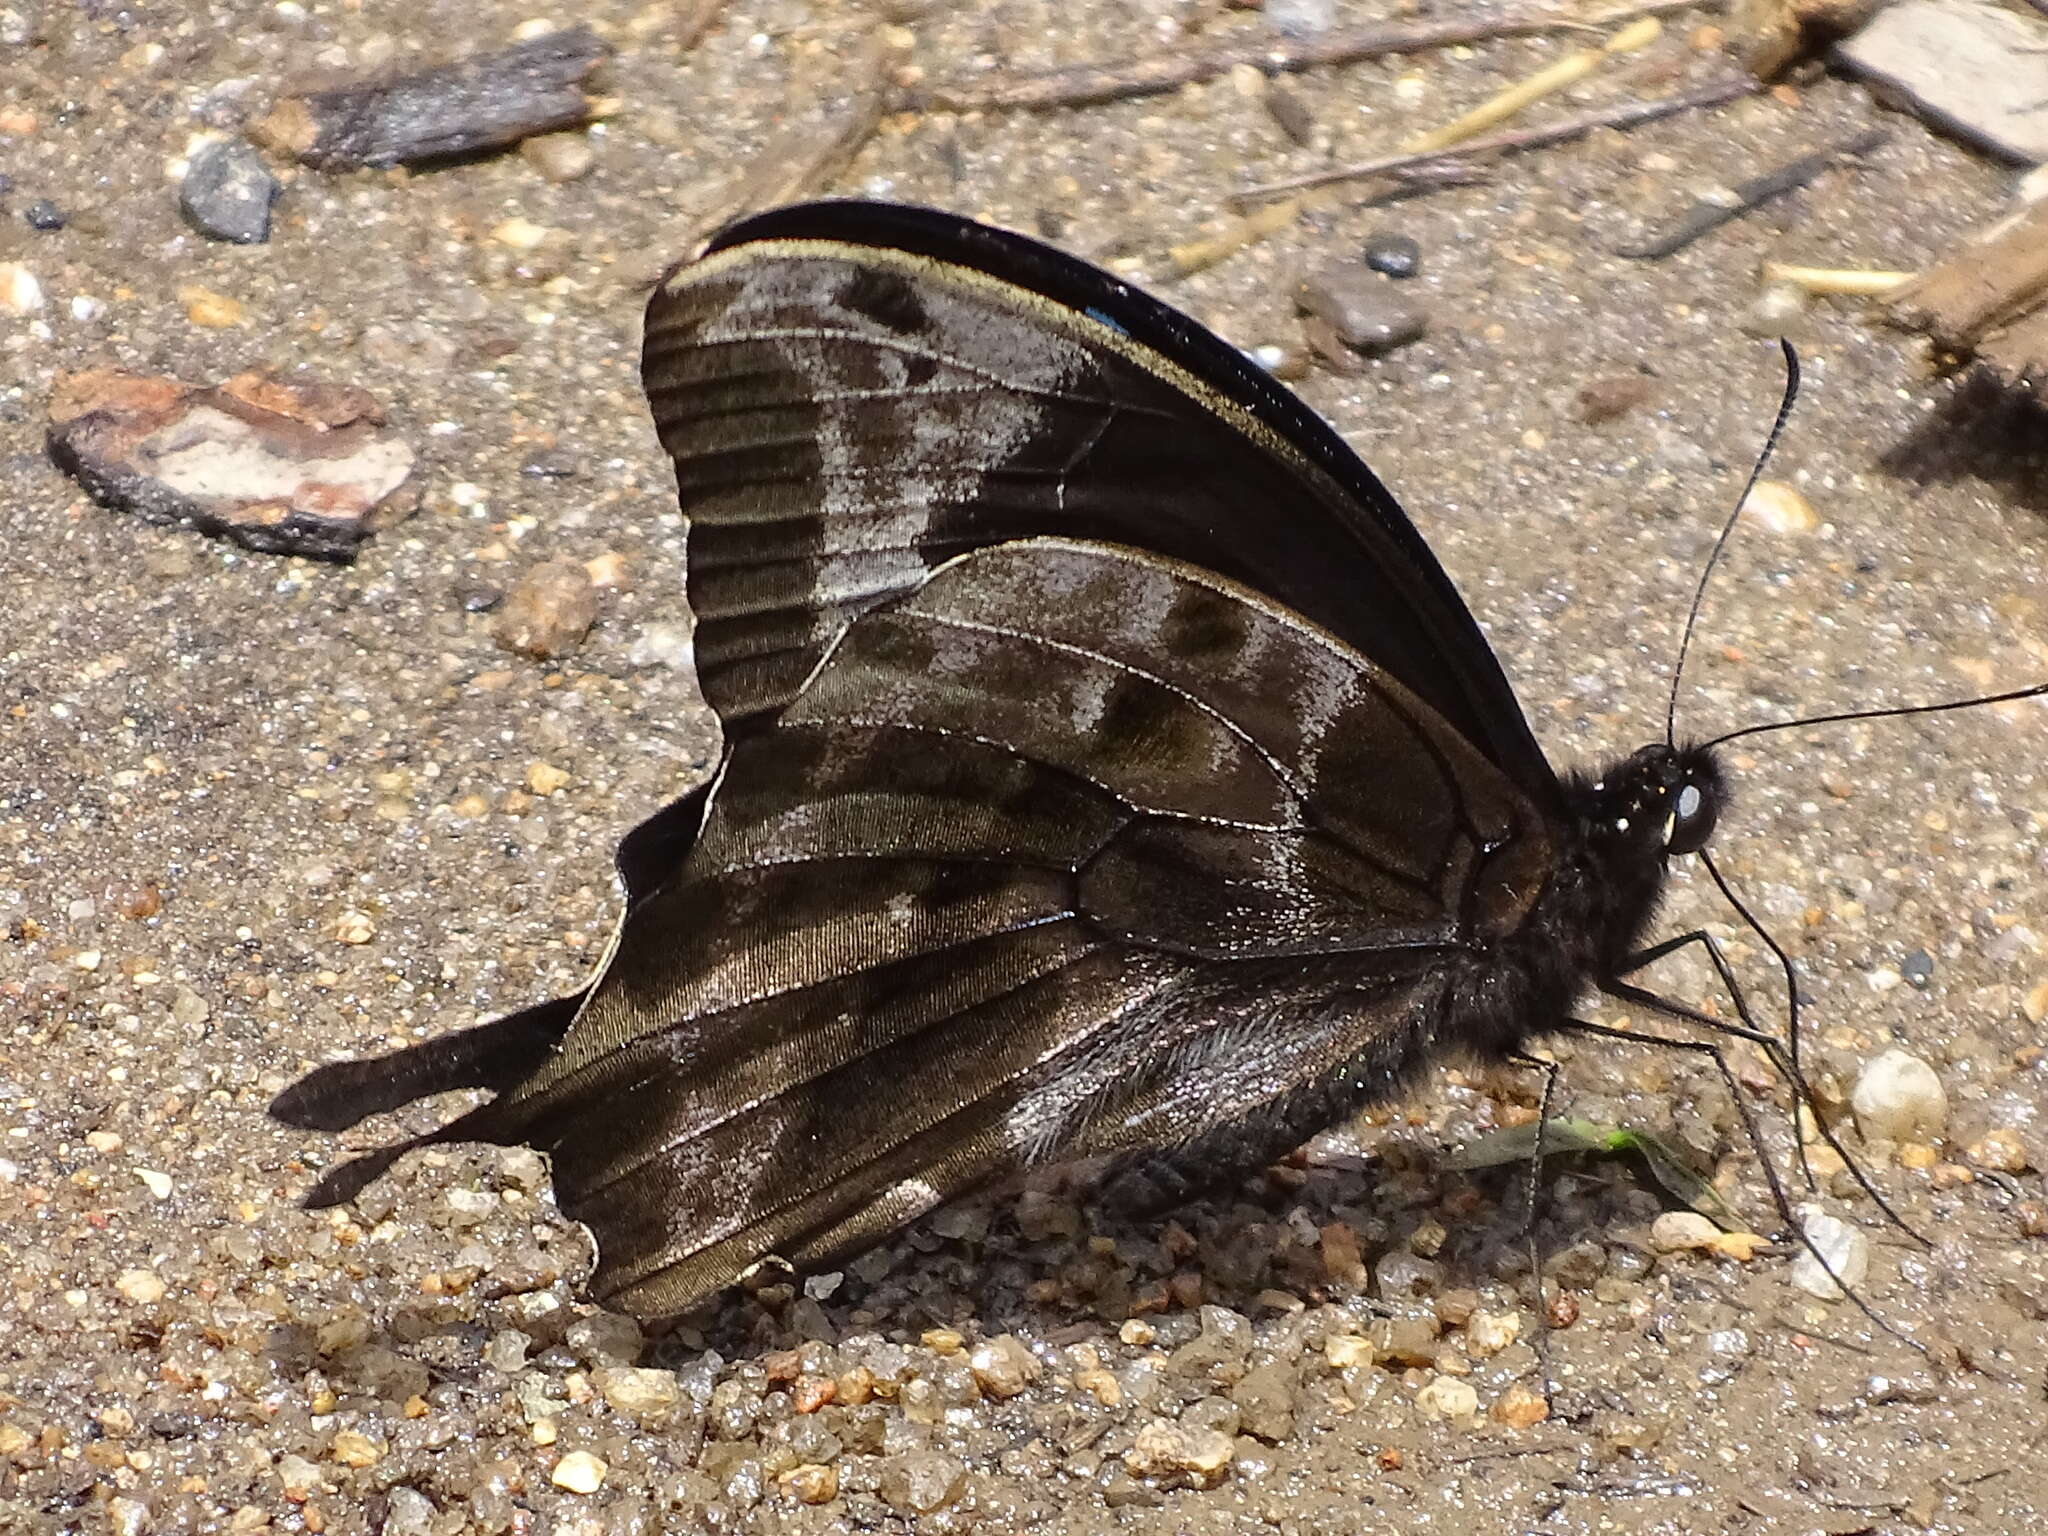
(1981,431)
(1389,1233)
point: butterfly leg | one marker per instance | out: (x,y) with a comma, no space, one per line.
(1714,1053)
(1532,1190)
(1785,1061)
(1773,1048)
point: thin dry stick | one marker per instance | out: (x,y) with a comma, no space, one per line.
(1857,282)
(1198,254)
(1088,84)
(1567,71)
(806,159)
(1628,115)
(1708,215)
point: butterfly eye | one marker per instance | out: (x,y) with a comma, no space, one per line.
(1694,810)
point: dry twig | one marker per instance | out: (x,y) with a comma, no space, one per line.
(1627,115)
(1706,216)
(1567,71)
(1088,84)
(1315,191)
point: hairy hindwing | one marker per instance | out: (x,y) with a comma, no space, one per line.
(1073,850)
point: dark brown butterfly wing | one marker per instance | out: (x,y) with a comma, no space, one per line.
(855,393)
(1001,885)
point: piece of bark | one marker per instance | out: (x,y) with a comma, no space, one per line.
(2019,353)
(1990,281)
(288,466)
(482,103)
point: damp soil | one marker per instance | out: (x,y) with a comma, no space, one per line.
(258,812)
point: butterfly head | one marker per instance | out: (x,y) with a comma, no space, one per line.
(1658,803)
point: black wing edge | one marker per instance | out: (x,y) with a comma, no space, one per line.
(1080,285)
(496,1055)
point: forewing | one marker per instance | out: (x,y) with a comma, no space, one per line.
(854,393)
(881,976)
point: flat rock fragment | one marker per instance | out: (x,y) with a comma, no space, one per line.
(482,103)
(1978,71)
(288,466)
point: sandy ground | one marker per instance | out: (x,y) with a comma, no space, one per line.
(243,748)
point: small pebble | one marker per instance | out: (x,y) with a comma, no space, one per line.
(1165,1449)
(920,1482)
(506,1351)
(606,1338)
(1519,1407)
(548,612)
(1003,1366)
(20,293)
(352,1448)
(1845,1247)
(558,156)
(144,1287)
(209,310)
(1300,19)
(352,927)
(812,1484)
(227,193)
(1406,1340)
(663,645)
(1776,506)
(158,1184)
(2000,1150)
(44,215)
(579,1472)
(1780,310)
(1446,1397)
(1265,1402)
(648,1396)
(407,1512)
(1344,1350)
(1361,309)
(1897,1097)
(1396,255)
(521,234)
(1678,1231)
(1488,1333)
(545,778)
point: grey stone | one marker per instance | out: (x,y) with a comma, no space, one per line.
(227,193)
(1977,71)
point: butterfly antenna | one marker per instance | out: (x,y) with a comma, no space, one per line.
(1699,592)
(2037,690)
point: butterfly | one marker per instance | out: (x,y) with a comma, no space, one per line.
(1110,771)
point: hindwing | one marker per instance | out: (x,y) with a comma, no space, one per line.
(1072,851)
